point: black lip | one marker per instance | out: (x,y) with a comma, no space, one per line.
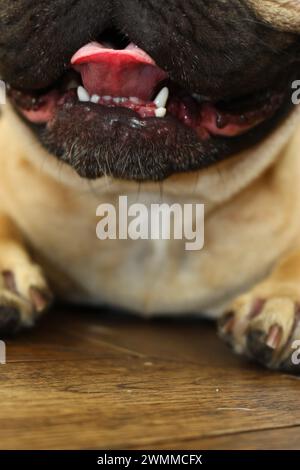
(97,141)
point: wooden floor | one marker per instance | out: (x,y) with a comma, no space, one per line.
(87,381)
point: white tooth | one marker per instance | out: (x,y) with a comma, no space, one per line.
(162,98)
(82,94)
(95,99)
(160,112)
(134,99)
(117,100)
(107,98)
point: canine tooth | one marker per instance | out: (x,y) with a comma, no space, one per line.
(162,98)
(95,99)
(82,94)
(107,98)
(117,100)
(160,112)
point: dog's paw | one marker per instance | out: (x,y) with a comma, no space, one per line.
(24,296)
(266,330)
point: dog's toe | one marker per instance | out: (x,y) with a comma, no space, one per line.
(264,330)
(24,296)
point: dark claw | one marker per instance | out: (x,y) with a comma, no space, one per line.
(274,337)
(40,299)
(9,281)
(226,323)
(257,308)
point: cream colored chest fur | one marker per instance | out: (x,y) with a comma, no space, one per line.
(248,225)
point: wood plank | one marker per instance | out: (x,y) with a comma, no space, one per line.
(274,439)
(87,380)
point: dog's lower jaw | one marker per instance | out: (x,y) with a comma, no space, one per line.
(252,204)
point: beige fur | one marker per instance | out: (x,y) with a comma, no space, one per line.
(284,14)
(250,199)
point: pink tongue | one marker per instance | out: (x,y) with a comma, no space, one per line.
(119,73)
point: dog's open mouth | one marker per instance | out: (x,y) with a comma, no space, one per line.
(116,112)
(129,78)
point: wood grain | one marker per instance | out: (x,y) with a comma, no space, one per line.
(87,380)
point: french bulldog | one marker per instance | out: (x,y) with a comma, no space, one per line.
(178,101)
